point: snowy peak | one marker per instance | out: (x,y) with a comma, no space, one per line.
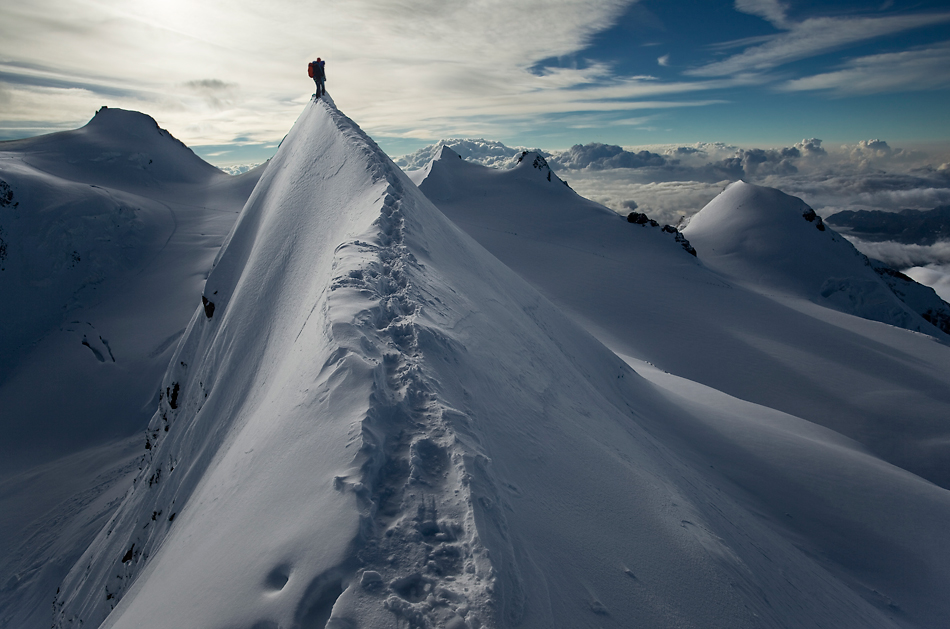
(531,162)
(768,239)
(122,149)
(744,208)
(445,153)
(318,373)
(124,124)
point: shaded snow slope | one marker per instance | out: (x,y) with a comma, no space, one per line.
(49,514)
(377,424)
(641,294)
(106,235)
(767,239)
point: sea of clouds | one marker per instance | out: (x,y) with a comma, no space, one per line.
(670,182)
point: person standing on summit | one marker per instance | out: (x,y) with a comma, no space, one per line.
(316,71)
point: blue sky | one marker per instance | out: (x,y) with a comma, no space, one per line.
(885,70)
(228,77)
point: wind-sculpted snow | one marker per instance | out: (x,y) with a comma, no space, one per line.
(638,293)
(106,236)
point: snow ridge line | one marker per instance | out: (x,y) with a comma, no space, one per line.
(419,555)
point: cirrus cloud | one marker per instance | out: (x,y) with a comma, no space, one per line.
(910,70)
(808,38)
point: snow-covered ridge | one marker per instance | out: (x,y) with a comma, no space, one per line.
(405,473)
(636,291)
(106,141)
(371,421)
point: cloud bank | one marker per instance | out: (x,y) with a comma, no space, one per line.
(937,276)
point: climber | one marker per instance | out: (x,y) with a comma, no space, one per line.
(315,69)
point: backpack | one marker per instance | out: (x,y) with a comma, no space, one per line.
(310,71)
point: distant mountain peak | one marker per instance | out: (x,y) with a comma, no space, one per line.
(117,148)
(915,227)
(114,119)
(534,160)
(447,153)
(773,240)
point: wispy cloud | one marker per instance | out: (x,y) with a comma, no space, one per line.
(387,59)
(771,11)
(912,70)
(213,71)
(808,38)
(903,256)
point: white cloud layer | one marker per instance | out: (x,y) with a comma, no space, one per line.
(903,256)
(928,265)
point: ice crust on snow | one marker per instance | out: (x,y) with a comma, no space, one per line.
(381,425)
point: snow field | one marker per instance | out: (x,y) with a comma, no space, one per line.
(372,420)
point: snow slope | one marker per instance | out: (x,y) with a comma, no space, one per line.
(107,234)
(635,289)
(379,424)
(765,238)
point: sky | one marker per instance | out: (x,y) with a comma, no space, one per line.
(229,78)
